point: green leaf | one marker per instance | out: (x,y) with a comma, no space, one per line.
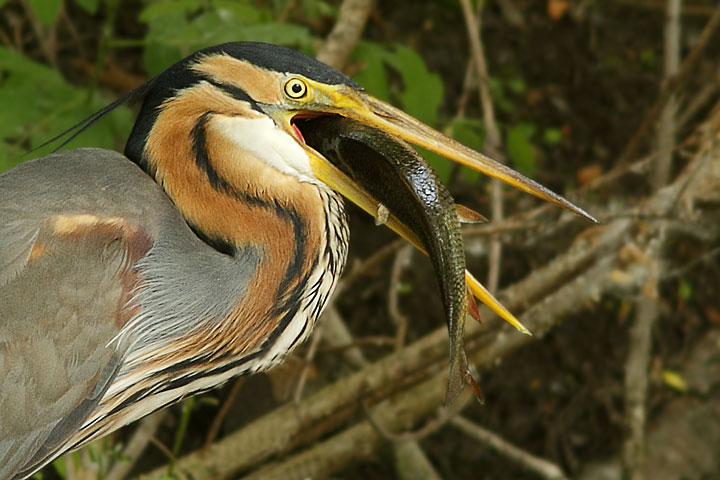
(649,58)
(372,75)
(177,28)
(517,85)
(315,9)
(38,104)
(60,467)
(176,8)
(90,6)
(470,132)
(685,290)
(520,148)
(245,12)
(158,56)
(552,136)
(422,90)
(278,33)
(46,10)
(499,96)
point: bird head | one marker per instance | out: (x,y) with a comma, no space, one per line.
(263,92)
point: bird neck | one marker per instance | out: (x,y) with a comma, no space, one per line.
(231,198)
(234,199)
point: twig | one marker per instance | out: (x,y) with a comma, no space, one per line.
(638,361)
(45,36)
(289,7)
(345,34)
(432,426)
(360,441)
(689,266)
(411,463)
(698,10)
(636,382)
(402,259)
(170,471)
(409,457)
(666,129)
(681,442)
(361,268)
(703,96)
(224,410)
(675,83)
(492,134)
(70,25)
(647,307)
(138,443)
(506,226)
(468,84)
(339,337)
(309,357)
(540,466)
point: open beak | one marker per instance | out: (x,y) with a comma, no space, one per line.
(350,189)
(368,110)
(364,157)
(365,109)
(326,143)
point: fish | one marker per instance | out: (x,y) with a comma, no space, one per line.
(412,200)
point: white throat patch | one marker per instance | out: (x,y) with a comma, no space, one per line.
(265,141)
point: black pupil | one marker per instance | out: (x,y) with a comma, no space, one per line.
(296,88)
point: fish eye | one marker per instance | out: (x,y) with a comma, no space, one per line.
(295,88)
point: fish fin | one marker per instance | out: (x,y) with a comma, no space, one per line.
(458,374)
(472,307)
(467,215)
(470,378)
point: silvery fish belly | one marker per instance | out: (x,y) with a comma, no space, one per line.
(407,188)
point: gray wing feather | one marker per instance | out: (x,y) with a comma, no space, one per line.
(58,312)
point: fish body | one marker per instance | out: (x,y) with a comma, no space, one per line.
(408,188)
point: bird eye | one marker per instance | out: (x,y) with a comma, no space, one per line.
(295,88)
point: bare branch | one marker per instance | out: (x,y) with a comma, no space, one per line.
(688,65)
(346,32)
(540,466)
(666,130)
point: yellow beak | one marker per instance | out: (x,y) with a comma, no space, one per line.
(355,104)
(368,110)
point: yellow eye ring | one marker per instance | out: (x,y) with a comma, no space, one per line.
(295,88)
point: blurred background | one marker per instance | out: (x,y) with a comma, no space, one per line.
(615,103)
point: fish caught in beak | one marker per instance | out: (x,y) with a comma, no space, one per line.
(415,203)
(358,145)
(349,102)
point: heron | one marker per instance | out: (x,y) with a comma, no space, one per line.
(206,251)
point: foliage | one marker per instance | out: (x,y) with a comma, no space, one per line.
(178,28)
(38,104)
(520,148)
